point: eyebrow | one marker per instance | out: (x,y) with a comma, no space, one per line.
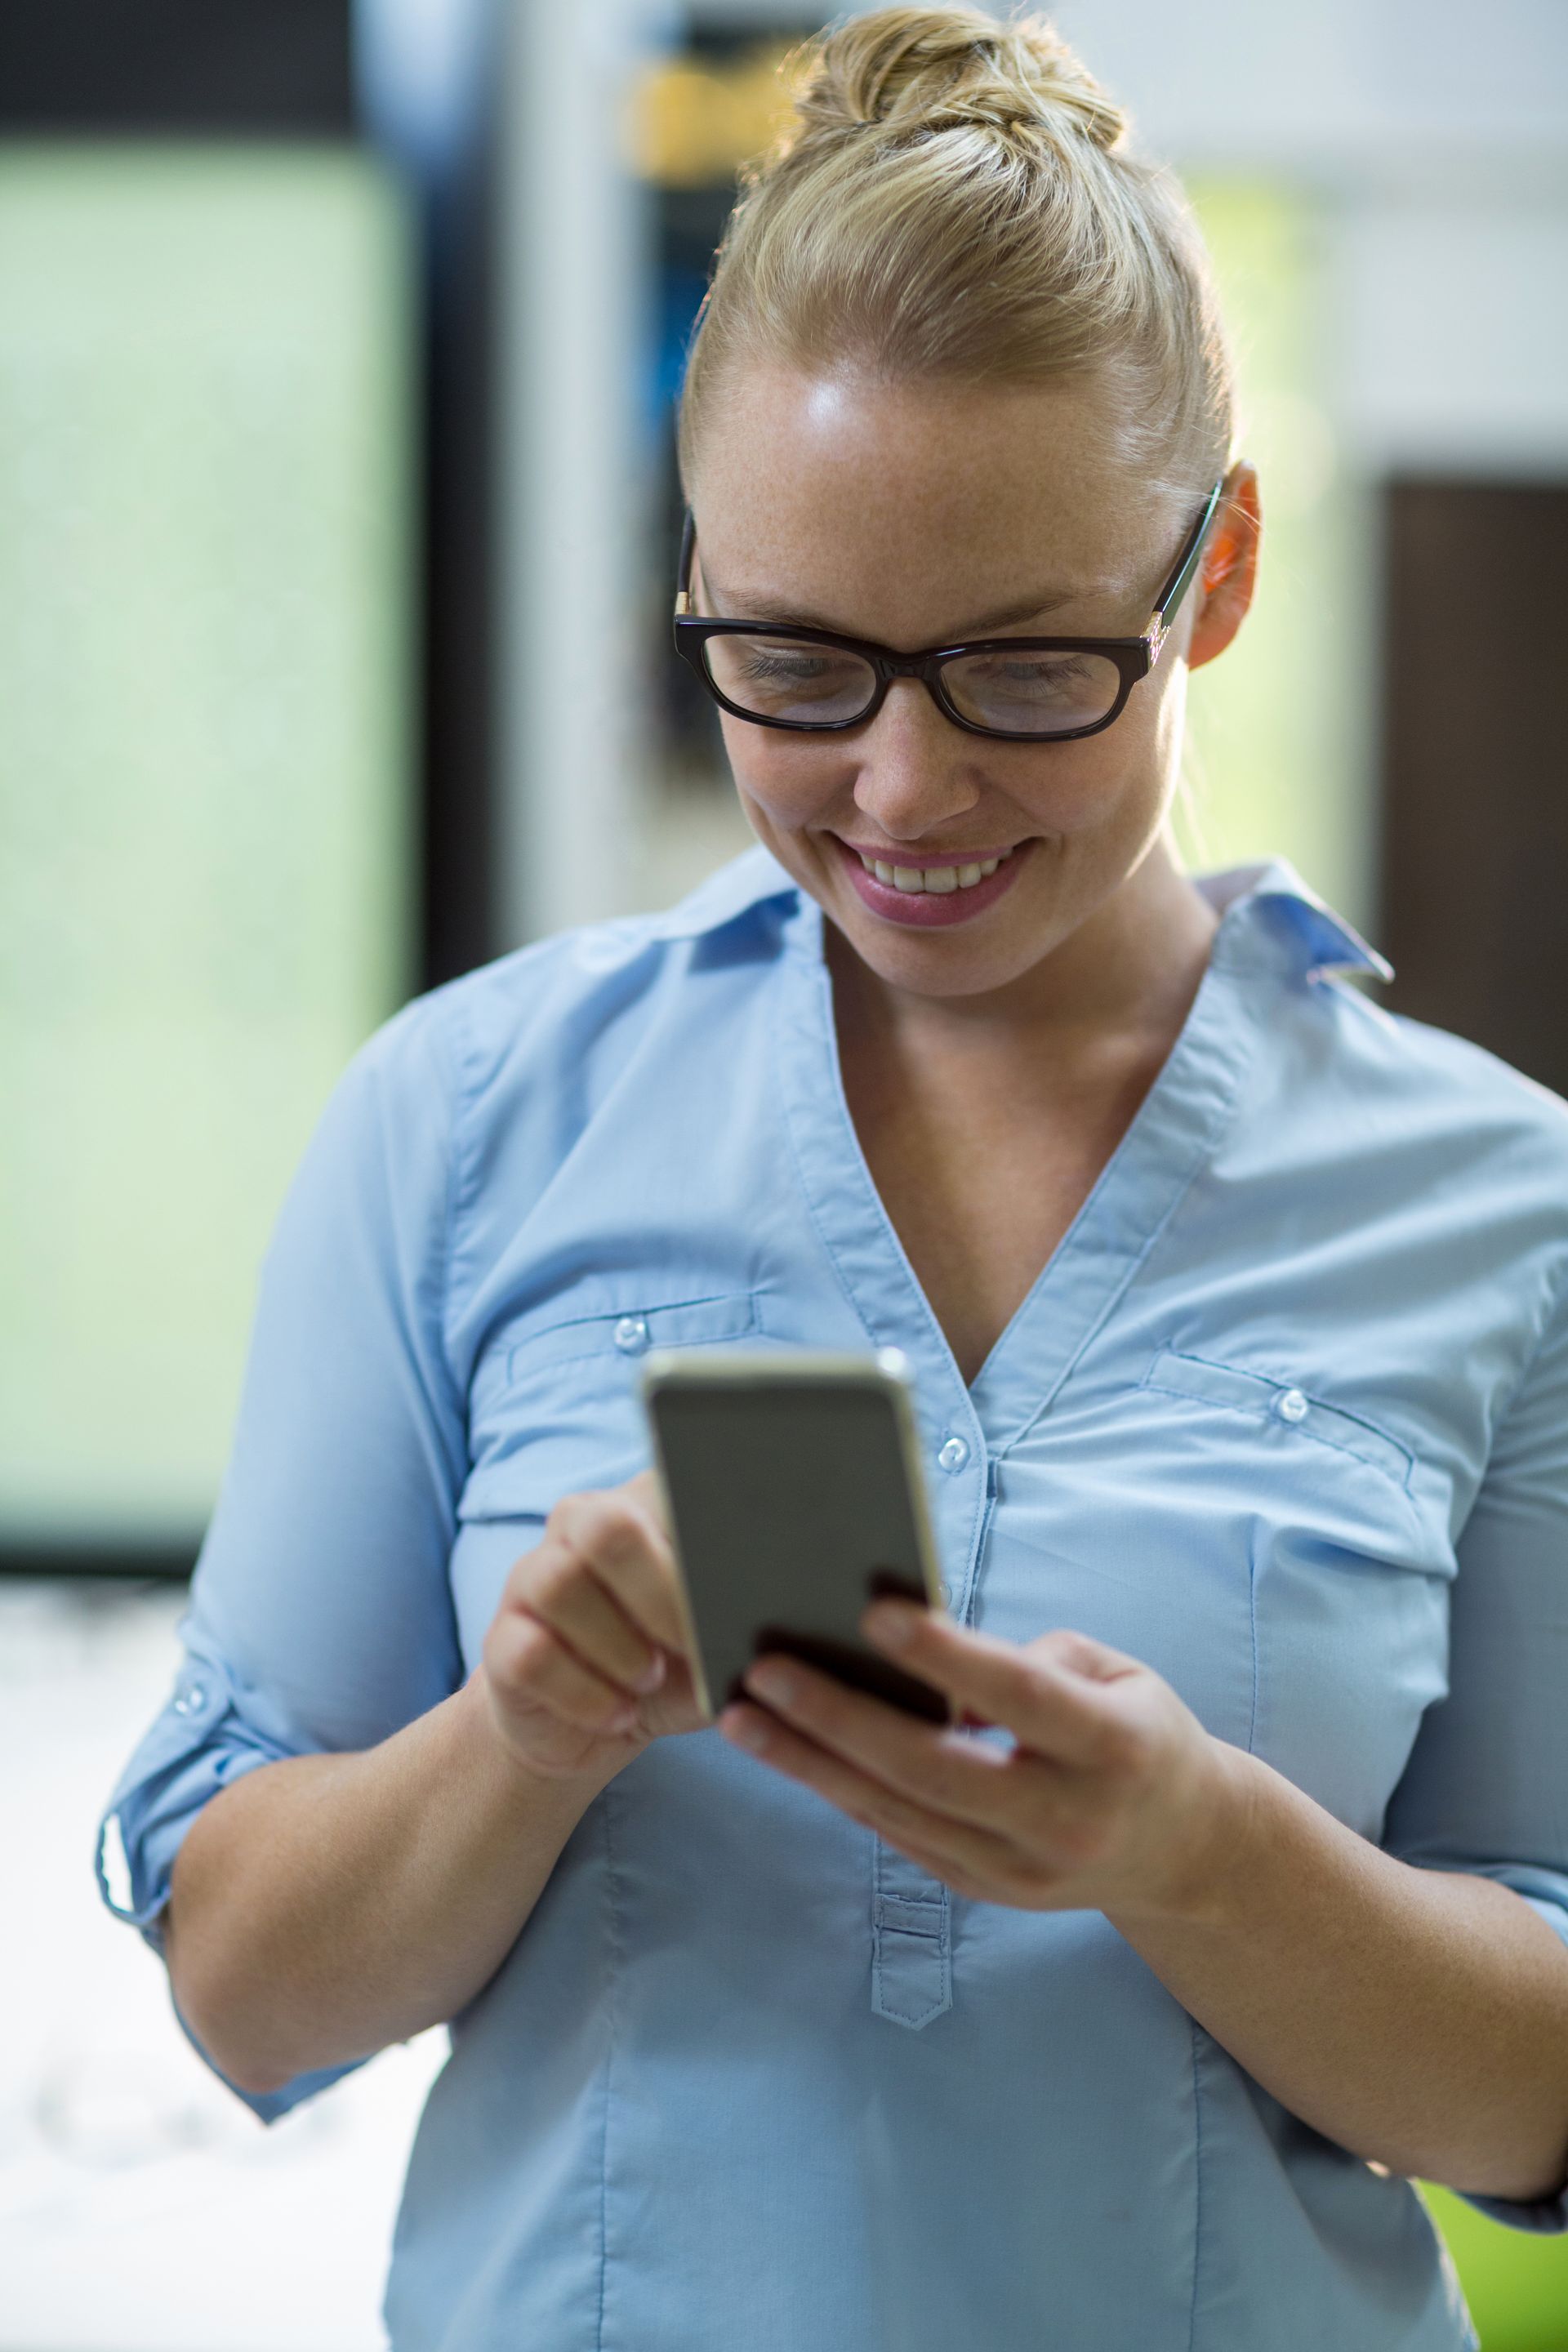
(760,609)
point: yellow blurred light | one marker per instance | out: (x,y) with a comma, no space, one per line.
(692,126)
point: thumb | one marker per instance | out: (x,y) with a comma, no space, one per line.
(646,1491)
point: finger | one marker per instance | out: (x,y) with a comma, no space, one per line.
(966,1846)
(964,1779)
(1049,1823)
(1083,1654)
(951,1873)
(568,1597)
(1041,1699)
(529,1669)
(614,1537)
(1025,1886)
(1034,1802)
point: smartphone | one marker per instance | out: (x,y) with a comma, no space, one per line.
(796,1494)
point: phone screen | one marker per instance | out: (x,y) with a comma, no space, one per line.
(790,1508)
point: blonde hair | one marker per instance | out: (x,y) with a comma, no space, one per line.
(953,200)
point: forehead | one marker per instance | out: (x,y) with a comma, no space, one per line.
(913,504)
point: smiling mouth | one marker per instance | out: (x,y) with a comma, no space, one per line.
(951,874)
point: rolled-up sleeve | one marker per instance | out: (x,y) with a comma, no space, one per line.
(320,1616)
(1486,1789)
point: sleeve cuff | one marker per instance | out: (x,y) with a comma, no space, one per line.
(1545,2217)
(1542,2216)
(202,1740)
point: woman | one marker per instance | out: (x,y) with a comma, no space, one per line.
(1236,1310)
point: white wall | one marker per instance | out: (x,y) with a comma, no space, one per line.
(1341,86)
(573,280)
(142,2207)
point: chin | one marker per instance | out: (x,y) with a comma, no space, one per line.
(936,963)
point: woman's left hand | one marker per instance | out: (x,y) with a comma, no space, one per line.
(1112,1797)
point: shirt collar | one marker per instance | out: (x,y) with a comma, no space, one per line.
(1267,902)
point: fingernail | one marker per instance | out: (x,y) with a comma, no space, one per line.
(651,1676)
(890,1621)
(749,1729)
(771,1681)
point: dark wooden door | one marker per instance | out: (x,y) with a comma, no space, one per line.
(1475,766)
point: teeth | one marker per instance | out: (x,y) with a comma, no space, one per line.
(931,877)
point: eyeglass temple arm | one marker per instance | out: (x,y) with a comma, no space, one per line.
(1181,579)
(683,569)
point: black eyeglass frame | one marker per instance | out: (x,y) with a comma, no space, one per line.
(1135,658)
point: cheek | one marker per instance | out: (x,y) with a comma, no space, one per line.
(1080,788)
(1119,779)
(790,778)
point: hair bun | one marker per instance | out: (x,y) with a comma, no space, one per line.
(919,71)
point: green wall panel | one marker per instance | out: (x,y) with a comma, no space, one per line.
(206,861)
(1277,758)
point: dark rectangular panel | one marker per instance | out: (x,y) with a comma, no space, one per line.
(168,65)
(1475,784)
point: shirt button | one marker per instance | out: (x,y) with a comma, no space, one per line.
(192,1699)
(1291,1405)
(953,1455)
(631,1334)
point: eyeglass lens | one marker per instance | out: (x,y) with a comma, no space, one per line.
(1026,693)
(779,677)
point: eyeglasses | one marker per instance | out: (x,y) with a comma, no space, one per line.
(1029,690)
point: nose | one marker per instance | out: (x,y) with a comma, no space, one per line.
(916,768)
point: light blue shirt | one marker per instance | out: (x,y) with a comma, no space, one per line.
(1286,1415)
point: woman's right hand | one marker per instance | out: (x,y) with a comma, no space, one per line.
(585,1661)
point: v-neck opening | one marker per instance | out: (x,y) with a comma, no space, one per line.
(1169,1138)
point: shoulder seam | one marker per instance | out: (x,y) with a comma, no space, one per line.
(460,1175)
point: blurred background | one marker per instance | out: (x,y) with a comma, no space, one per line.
(338,511)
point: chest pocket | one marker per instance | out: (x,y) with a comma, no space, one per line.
(1347,1577)
(554,1407)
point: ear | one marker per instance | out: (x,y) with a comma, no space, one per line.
(1229,572)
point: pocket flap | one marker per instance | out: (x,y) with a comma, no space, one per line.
(631,1330)
(1296,1410)
(554,1407)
